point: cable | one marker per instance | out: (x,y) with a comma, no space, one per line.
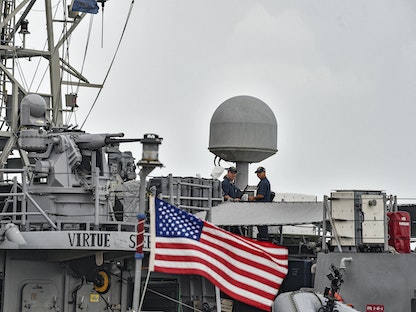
(107,303)
(74,292)
(173,299)
(82,67)
(111,64)
(85,51)
(144,290)
(39,61)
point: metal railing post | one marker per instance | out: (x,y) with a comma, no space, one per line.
(324,246)
(24,202)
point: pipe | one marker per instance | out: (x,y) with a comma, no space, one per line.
(241,181)
(96,175)
(144,172)
(324,217)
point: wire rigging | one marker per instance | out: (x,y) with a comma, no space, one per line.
(65,49)
(85,50)
(83,63)
(111,64)
(20,71)
(145,288)
(56,7)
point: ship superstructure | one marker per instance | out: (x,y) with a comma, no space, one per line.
(70,202)
(68,198)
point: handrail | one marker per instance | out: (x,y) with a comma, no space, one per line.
(176,196)
(25,195)
(40,210)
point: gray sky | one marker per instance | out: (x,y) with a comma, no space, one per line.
(340,77)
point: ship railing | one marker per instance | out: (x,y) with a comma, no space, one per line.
(14,208)
(13,198)
(203,203)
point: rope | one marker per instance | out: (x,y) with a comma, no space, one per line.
(174,300)
(162,295)
(111,64)
(144,290)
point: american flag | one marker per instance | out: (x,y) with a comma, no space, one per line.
(246,270)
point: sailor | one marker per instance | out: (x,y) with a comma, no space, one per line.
(263,194)
(229,189)
(231,193)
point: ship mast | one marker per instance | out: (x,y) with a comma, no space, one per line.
(13,26)
(54,69)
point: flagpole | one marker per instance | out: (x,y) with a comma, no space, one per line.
(218,298)
(139,255)
(149,161)
(217,290)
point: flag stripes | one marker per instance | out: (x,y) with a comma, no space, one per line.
(245,269)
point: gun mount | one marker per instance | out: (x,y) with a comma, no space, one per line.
(59,155)
(74,174)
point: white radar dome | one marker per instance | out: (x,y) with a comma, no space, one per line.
(243,129)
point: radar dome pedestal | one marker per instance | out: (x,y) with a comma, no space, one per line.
(243,129)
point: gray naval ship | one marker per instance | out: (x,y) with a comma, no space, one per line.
(70,236)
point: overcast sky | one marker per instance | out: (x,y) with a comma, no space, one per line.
(340,77)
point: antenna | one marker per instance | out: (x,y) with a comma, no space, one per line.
(243,130)
(102,21)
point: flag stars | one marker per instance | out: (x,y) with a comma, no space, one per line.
(173,222)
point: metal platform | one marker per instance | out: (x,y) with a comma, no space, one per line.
(275,213)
